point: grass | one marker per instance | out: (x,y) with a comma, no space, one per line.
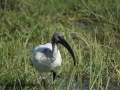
(92,28)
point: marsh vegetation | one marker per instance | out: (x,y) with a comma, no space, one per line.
(91,27)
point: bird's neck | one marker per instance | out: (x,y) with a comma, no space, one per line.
(54,51)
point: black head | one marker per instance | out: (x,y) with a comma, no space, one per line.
(58,38)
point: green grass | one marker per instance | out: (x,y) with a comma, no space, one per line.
(92,28)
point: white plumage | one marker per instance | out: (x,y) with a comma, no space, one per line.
(41,58)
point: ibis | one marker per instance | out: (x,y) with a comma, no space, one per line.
(47,57)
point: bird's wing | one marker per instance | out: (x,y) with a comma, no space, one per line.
(41,54)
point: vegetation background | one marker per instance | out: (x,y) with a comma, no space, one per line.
(91,27)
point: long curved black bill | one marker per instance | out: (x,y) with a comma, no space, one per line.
(67,46)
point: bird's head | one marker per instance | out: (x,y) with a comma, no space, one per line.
(59,38)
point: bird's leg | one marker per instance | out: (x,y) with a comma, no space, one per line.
(45,84)
(54,74)
(44,80)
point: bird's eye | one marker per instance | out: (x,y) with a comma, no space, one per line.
(60,37)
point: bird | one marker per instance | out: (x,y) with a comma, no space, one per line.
(47,57)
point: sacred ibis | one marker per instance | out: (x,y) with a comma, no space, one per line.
(46,57)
